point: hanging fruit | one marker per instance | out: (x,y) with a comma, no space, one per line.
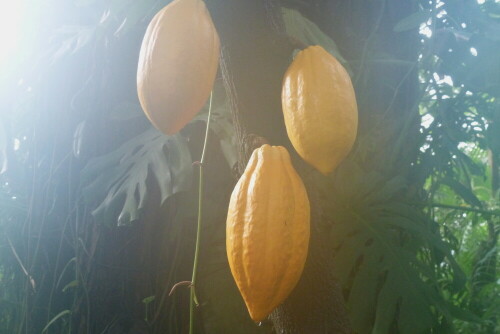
(267,231)
(177,64)
(319,107)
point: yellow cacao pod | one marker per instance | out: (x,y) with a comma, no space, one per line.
(319,107)
(267,231)
(177,64)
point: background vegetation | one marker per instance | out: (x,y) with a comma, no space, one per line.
(97,208)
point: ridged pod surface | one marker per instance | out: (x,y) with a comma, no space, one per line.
(267,231)
(319,107)
(177,64)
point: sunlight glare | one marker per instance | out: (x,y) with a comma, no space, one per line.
(427,120)
(10,26)
(425,30)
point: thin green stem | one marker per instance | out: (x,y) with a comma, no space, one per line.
(206,132)
(463,208)
(193,300)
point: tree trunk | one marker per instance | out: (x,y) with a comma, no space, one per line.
(255,56)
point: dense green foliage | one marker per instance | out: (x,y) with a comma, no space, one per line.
(97,208)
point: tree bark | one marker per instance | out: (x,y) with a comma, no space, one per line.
(255,56)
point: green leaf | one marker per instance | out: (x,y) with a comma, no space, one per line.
(461,190)
(148,300)
(379,241)
(412,21)
(386,190)
(57,317)
(117,183)
(70,285)
(307,32)
(221,123)
(72,260)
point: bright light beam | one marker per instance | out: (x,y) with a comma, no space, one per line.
(10,30)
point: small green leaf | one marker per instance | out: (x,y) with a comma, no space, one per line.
(70,285)
(54,319)
(148,300)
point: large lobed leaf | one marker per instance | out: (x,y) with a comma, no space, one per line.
(118,181)
(385,255)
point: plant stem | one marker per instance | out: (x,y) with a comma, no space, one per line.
(193,300)
(463,208)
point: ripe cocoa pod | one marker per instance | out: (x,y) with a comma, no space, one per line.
(177,64)
(267,231)
(319,107)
